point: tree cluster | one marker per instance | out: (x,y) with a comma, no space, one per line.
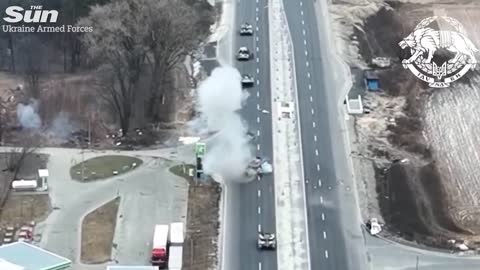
(137,40)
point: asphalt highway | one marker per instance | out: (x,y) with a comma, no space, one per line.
(320,139)
(257,205)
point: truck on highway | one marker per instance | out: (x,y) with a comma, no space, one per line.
(159,247)
(175,252)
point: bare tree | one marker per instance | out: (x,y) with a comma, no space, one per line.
(33,63)
(172,34)
(117,42)
(17,155)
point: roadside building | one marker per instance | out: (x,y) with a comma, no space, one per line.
(24,256)
(371,80)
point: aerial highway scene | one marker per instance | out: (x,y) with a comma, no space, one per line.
(239,134)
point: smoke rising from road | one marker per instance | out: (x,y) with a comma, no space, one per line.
(27,115)
(220,97)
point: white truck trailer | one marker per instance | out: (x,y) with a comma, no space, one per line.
(175,253)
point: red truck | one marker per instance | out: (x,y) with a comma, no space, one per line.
(159,248)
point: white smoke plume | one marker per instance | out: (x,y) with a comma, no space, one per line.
(27,115)
(220,98)
(61,126)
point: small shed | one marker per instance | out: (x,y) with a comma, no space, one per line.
(371,80)
(29,257)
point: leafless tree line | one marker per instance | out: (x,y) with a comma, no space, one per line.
(133,38)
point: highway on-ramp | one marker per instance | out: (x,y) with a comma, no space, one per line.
(256,198)
(334,242)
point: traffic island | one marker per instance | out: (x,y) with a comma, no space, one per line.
(103,167)
(98,228)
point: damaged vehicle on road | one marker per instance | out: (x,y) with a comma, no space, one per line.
(258,166)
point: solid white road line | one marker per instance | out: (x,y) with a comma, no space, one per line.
(259,193)
(326,254)
(323,216)
(324,235)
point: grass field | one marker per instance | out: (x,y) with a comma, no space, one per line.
(103,167)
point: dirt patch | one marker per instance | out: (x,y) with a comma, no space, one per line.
(431,197)
(98,229)
(21,209)
(201,241)
(103,167)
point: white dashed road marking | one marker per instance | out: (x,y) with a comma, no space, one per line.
(316,152)
(258,82)
(326,254)
(258,119)
(259,266)
(258,147)
(319,182)
(304,42)
(301,12)
(308,74)
(321,199)
(318,167)
(258,132)
(306,53)
(306,63)
(259,228)
(258,49)
(313,112)
(259,210)
(259,193)
(258,71)
(310,86)
(323,216)
(258,59)
(303,22)
(313,124)
(315,137)
(324,235)
(311,99)
(258,106)
(258,94)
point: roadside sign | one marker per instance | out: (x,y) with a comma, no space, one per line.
(200,149)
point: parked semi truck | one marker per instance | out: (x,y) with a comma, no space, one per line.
(175,252)
(159,248)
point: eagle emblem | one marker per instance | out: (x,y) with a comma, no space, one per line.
(424,41)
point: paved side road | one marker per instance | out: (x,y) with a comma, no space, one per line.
(149,195)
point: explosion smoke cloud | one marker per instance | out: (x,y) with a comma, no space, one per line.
(220,98)
(27,115)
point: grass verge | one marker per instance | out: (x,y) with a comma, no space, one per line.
(98,228)
(103,167)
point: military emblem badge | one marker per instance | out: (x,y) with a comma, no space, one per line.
(424,40)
